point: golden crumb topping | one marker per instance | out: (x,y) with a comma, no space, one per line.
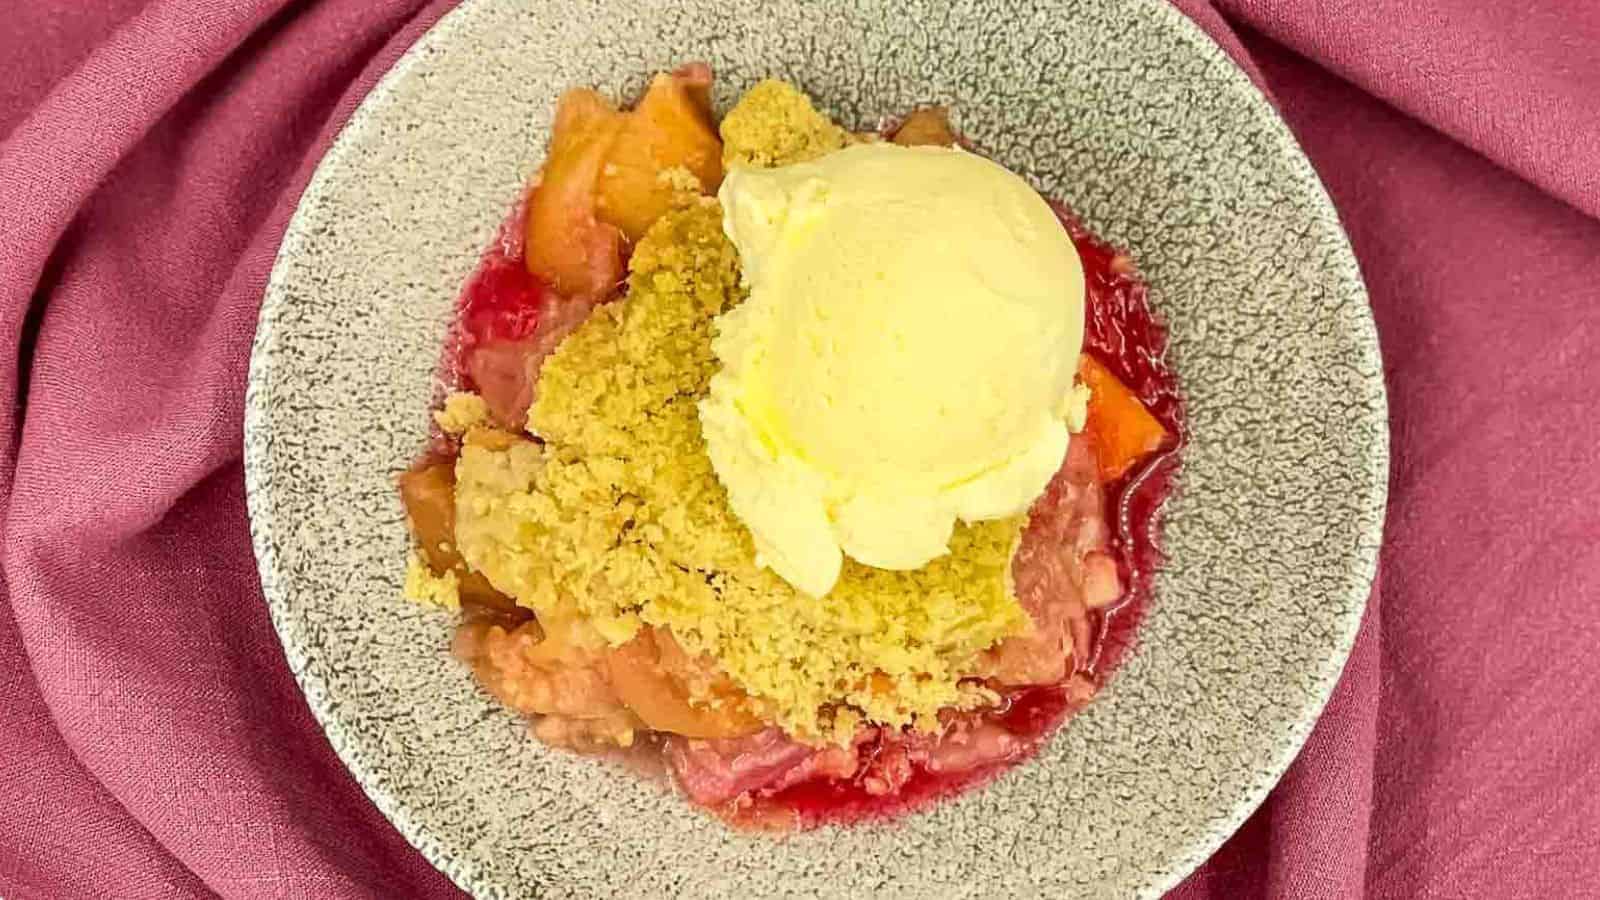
(684,183)
(461,411)
(616,515)
(774,124)
(619,514)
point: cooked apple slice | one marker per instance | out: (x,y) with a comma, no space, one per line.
(928,126)
(567,244)
(670,129)
(640,678)
(1125,432)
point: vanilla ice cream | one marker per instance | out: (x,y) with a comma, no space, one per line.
(905,357)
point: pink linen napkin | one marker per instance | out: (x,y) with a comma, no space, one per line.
(153,744)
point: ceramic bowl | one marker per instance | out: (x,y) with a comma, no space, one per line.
(1122,108)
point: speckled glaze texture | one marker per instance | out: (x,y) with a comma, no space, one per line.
(1120,107)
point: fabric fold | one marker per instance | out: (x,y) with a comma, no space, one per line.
(1517,82)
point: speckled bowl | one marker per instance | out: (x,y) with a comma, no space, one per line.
(1122,108)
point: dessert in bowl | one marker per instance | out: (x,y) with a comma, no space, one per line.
(823,468)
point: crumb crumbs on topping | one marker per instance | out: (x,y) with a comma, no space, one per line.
(423,586)
(461,411)
(680,180)
(775,124)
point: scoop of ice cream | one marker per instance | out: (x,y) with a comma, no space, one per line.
(905,357)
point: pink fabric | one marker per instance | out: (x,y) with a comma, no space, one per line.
(153,744)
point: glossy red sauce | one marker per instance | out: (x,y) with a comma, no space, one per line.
(1124,334)
(1031,713)
(503,301)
